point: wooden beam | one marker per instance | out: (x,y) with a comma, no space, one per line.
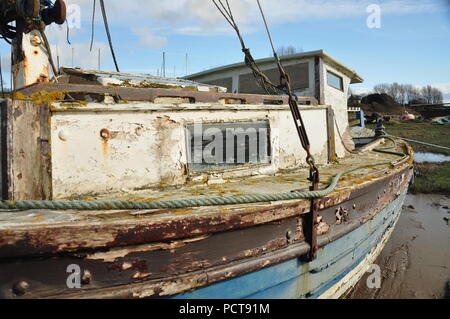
(330,135)
(26,162)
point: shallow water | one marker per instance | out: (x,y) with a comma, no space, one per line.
(416,260)
(430,157)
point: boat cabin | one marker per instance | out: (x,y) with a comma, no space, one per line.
(100,132)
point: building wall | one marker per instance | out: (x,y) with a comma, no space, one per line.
(338,100)
(331,96)
(304,86)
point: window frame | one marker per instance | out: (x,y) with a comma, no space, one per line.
(339,77)
(197,169)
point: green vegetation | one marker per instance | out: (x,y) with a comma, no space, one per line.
(432,177)
(422,131)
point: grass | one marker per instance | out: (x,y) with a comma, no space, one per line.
(421,131)
(431,177)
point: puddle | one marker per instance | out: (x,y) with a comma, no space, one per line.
(415,262)
(431,158)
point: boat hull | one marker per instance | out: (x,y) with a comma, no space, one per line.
(338,267)
(261,261)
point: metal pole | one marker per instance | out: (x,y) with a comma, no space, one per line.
(164,65)
(186,62)
(57,56)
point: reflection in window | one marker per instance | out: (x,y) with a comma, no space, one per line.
(335,81)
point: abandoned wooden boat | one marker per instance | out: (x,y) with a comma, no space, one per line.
(126,139)
(127,186)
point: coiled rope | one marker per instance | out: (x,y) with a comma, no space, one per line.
(192,202)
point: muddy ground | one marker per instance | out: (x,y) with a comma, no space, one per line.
(416,261)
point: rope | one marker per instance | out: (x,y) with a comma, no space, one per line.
(92,25)
(192,202)
(261,79)
(420,142)
(108,33)
(49,53)
(342,139)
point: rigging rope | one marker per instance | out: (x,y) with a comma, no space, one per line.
(285,83)
(49,51)
(92,25)
(261,79)
(68,33)
(108,33)
(420,142)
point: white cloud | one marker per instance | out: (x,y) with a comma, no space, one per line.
(82,55)
(444,87)
(148,39)
(200,17)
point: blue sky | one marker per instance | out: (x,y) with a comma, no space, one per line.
(412,44)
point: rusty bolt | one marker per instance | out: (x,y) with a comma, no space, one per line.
(20,288)
(105,134)
(86,278)
(36,40)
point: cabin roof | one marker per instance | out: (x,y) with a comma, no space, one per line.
(354,77)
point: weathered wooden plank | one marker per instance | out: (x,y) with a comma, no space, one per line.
(223,255)
(318,83)
(101,231)
(331,137)
(150,94)
(26,163)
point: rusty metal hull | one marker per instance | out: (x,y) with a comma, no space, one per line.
(257,260)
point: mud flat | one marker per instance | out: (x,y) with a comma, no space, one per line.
(416,261)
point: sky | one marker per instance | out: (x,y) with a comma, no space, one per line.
(404,41)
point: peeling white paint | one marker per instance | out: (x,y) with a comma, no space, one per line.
(147,145)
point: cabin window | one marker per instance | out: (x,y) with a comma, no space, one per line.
(299,74)
(335,81)
(218,146)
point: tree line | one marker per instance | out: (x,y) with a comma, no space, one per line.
(407,94)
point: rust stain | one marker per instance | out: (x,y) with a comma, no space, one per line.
(105,151)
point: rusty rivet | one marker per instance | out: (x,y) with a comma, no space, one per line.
(20,288)
(86,278)
(63,136)
(105,134)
